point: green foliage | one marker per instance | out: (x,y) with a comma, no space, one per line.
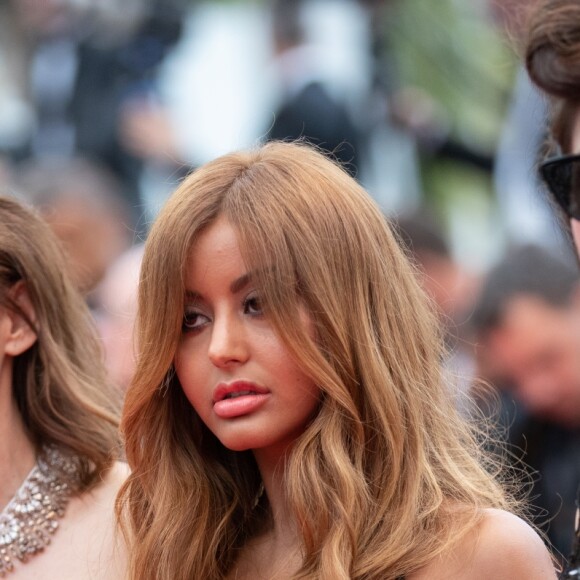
(450,49)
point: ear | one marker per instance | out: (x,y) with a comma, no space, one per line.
(21,336)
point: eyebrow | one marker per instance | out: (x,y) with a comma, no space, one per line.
(236,286)
(239,284)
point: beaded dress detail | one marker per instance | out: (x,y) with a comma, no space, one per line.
(31,517)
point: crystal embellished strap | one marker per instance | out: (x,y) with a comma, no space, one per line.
(31,516)
(8,506)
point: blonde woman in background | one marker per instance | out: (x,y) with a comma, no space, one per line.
(288,417)
(58,417)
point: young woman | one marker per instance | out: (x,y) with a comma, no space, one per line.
(58,419)
(288,417)
(552,56)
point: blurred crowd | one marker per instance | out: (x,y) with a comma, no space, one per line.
(105,105)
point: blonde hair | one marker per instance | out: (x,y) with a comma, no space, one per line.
(387,476)
(59,383)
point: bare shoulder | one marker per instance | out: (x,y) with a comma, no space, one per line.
(96,534)
(502,546)
(111,481)
(508,545)
(99,501)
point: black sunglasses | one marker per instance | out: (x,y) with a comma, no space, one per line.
(562,176)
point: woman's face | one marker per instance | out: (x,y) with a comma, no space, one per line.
(575,224)
(233,367)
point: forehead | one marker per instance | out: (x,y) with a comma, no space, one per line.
(215,253)
(219,238)
(530,324)
(526,312)
(529,331)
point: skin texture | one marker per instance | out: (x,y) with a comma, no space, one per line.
(87,544)
(502,547)
(227,337)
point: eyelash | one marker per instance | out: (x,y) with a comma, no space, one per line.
(251,306)
(187,325)
(253,299)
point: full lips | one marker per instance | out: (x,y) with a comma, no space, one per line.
(239,406)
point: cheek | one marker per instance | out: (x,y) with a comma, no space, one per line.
(189,380)
(570,365)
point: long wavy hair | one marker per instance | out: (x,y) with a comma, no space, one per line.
(59,384)
(552,58)
(387,476)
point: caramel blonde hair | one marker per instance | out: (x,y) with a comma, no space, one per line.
(387,476)
(59,384)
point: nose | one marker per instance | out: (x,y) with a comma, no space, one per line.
(228,344)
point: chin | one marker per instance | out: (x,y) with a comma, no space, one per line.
(239,441)
(236,445)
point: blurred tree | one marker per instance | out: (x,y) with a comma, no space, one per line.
(453,52)
(451,75)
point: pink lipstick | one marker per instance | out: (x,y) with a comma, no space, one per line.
(238,398)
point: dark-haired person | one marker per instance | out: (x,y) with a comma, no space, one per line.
(58,417)
(553,63)
(552,57)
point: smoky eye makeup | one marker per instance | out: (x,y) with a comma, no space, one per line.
(192,321)
(194,317)
(253,305)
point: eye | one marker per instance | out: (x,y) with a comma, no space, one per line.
(253,305)
(193,320)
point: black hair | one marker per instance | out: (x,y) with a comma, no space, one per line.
(421,233)
(525,270)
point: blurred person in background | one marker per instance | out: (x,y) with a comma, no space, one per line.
(307,107)
(527,322)
(449,284)
(115,310)
(72,71)
(524,210)
(552,57)
(221,86)
(450,76)
(82,203)
(58,416)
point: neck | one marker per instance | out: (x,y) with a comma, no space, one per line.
(17,455)
(272,470)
